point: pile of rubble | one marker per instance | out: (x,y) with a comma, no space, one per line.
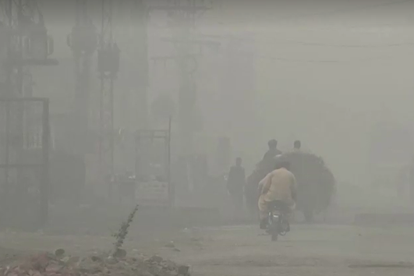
(52,265)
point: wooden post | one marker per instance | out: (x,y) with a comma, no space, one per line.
(171,185)
(45,180)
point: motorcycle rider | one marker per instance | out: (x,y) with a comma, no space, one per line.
(279,185)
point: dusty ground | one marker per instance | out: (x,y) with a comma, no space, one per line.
(240,250)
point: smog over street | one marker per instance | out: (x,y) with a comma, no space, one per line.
(220,137)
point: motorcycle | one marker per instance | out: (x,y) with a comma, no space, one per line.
(278,224)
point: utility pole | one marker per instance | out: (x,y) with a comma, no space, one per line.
(139,20)
(184,40)
(238,79)
(108,67)
(133,17)
(83,42)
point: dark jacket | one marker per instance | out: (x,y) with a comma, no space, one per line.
(271,154)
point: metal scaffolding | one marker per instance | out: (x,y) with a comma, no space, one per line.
(27,43)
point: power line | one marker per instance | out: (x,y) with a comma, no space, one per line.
(351,10)
(318,44)
(323,61)
(277,41)
(319,61)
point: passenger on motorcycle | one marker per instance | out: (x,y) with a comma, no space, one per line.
(279,185)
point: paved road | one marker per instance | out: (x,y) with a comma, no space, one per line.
(307,250)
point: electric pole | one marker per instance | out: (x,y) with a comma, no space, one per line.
(139,18)
(108,67)
(83,42)
(183,21)
(238,85)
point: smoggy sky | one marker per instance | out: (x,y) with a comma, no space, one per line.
(324,71)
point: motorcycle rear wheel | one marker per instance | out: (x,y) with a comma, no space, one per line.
(274,230)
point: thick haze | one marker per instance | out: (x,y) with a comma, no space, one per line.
(323,72)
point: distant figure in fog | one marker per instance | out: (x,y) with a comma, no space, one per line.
(297,145)
(235,185)
(272,152)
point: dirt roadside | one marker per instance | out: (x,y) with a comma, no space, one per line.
(240,250)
